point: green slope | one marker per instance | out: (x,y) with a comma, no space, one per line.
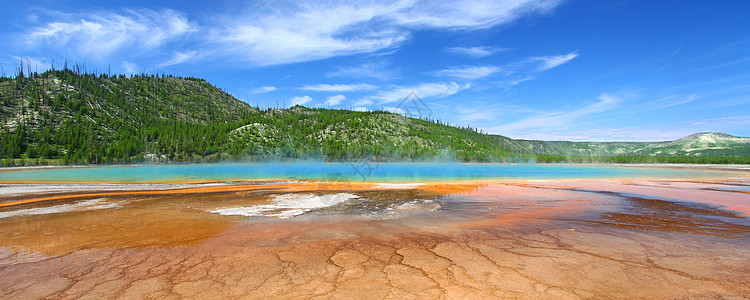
(347,135)
(101,119)
(95,119)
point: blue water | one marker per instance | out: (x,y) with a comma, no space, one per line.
(365,171)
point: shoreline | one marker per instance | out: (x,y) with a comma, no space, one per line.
(660,165)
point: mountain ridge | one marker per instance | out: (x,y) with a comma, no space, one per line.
(97,118)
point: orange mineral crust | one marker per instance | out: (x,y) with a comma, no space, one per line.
(563,239)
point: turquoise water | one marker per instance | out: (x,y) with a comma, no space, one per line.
(367,171)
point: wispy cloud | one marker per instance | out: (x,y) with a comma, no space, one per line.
(664,102)
(338,87)
(178,58)
(304,31)
(263,89)
(335,100)
(395,110)
(297,31)
(549,62)
(424,90)
(508,83)
(31,62)
(469,72)
(558,120)
(474,14)
(99,34)
(510,74)
(376,70)
(477,51)
(129,67)
(301,100)
(262,33)
(476,112)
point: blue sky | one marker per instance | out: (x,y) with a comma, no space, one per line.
(541,69)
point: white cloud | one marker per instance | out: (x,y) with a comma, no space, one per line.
(129,68)
(335,100)
(32,18)
(298,31)
(303,31)
(478,51)
(474,14)
(270,33)
(549,62)
(36,64)
(380,71)
(301,100)
(556,120)
(360,108)
(395,110)
(263,89)
(424,90)
(338,87)
(178,58)
(475,112)
(469,72)
(513,81)
(99,34)
(661,103)
(364,101)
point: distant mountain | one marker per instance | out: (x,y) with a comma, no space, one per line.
(63,116)
(699,144)
(707,143)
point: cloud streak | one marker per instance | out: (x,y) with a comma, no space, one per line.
(380,71)
(178,58)
(557,120)
(424,90)
(335,100)
(101,34)
(339,87)
(476,52)
(281,32)
(550,62)
(263,89)
(468,72)
(301,100)
(305,31)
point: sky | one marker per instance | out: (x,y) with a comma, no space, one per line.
(532,69)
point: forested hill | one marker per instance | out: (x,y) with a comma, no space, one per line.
(85,118)
(99,118)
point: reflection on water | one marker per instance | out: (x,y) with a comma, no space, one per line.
(463,239)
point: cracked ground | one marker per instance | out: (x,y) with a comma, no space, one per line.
(563,239)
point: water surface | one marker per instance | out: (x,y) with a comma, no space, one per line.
(365,170)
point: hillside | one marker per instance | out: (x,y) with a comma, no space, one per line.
(347,135)
(84,118)
(76,118)
(93,119)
